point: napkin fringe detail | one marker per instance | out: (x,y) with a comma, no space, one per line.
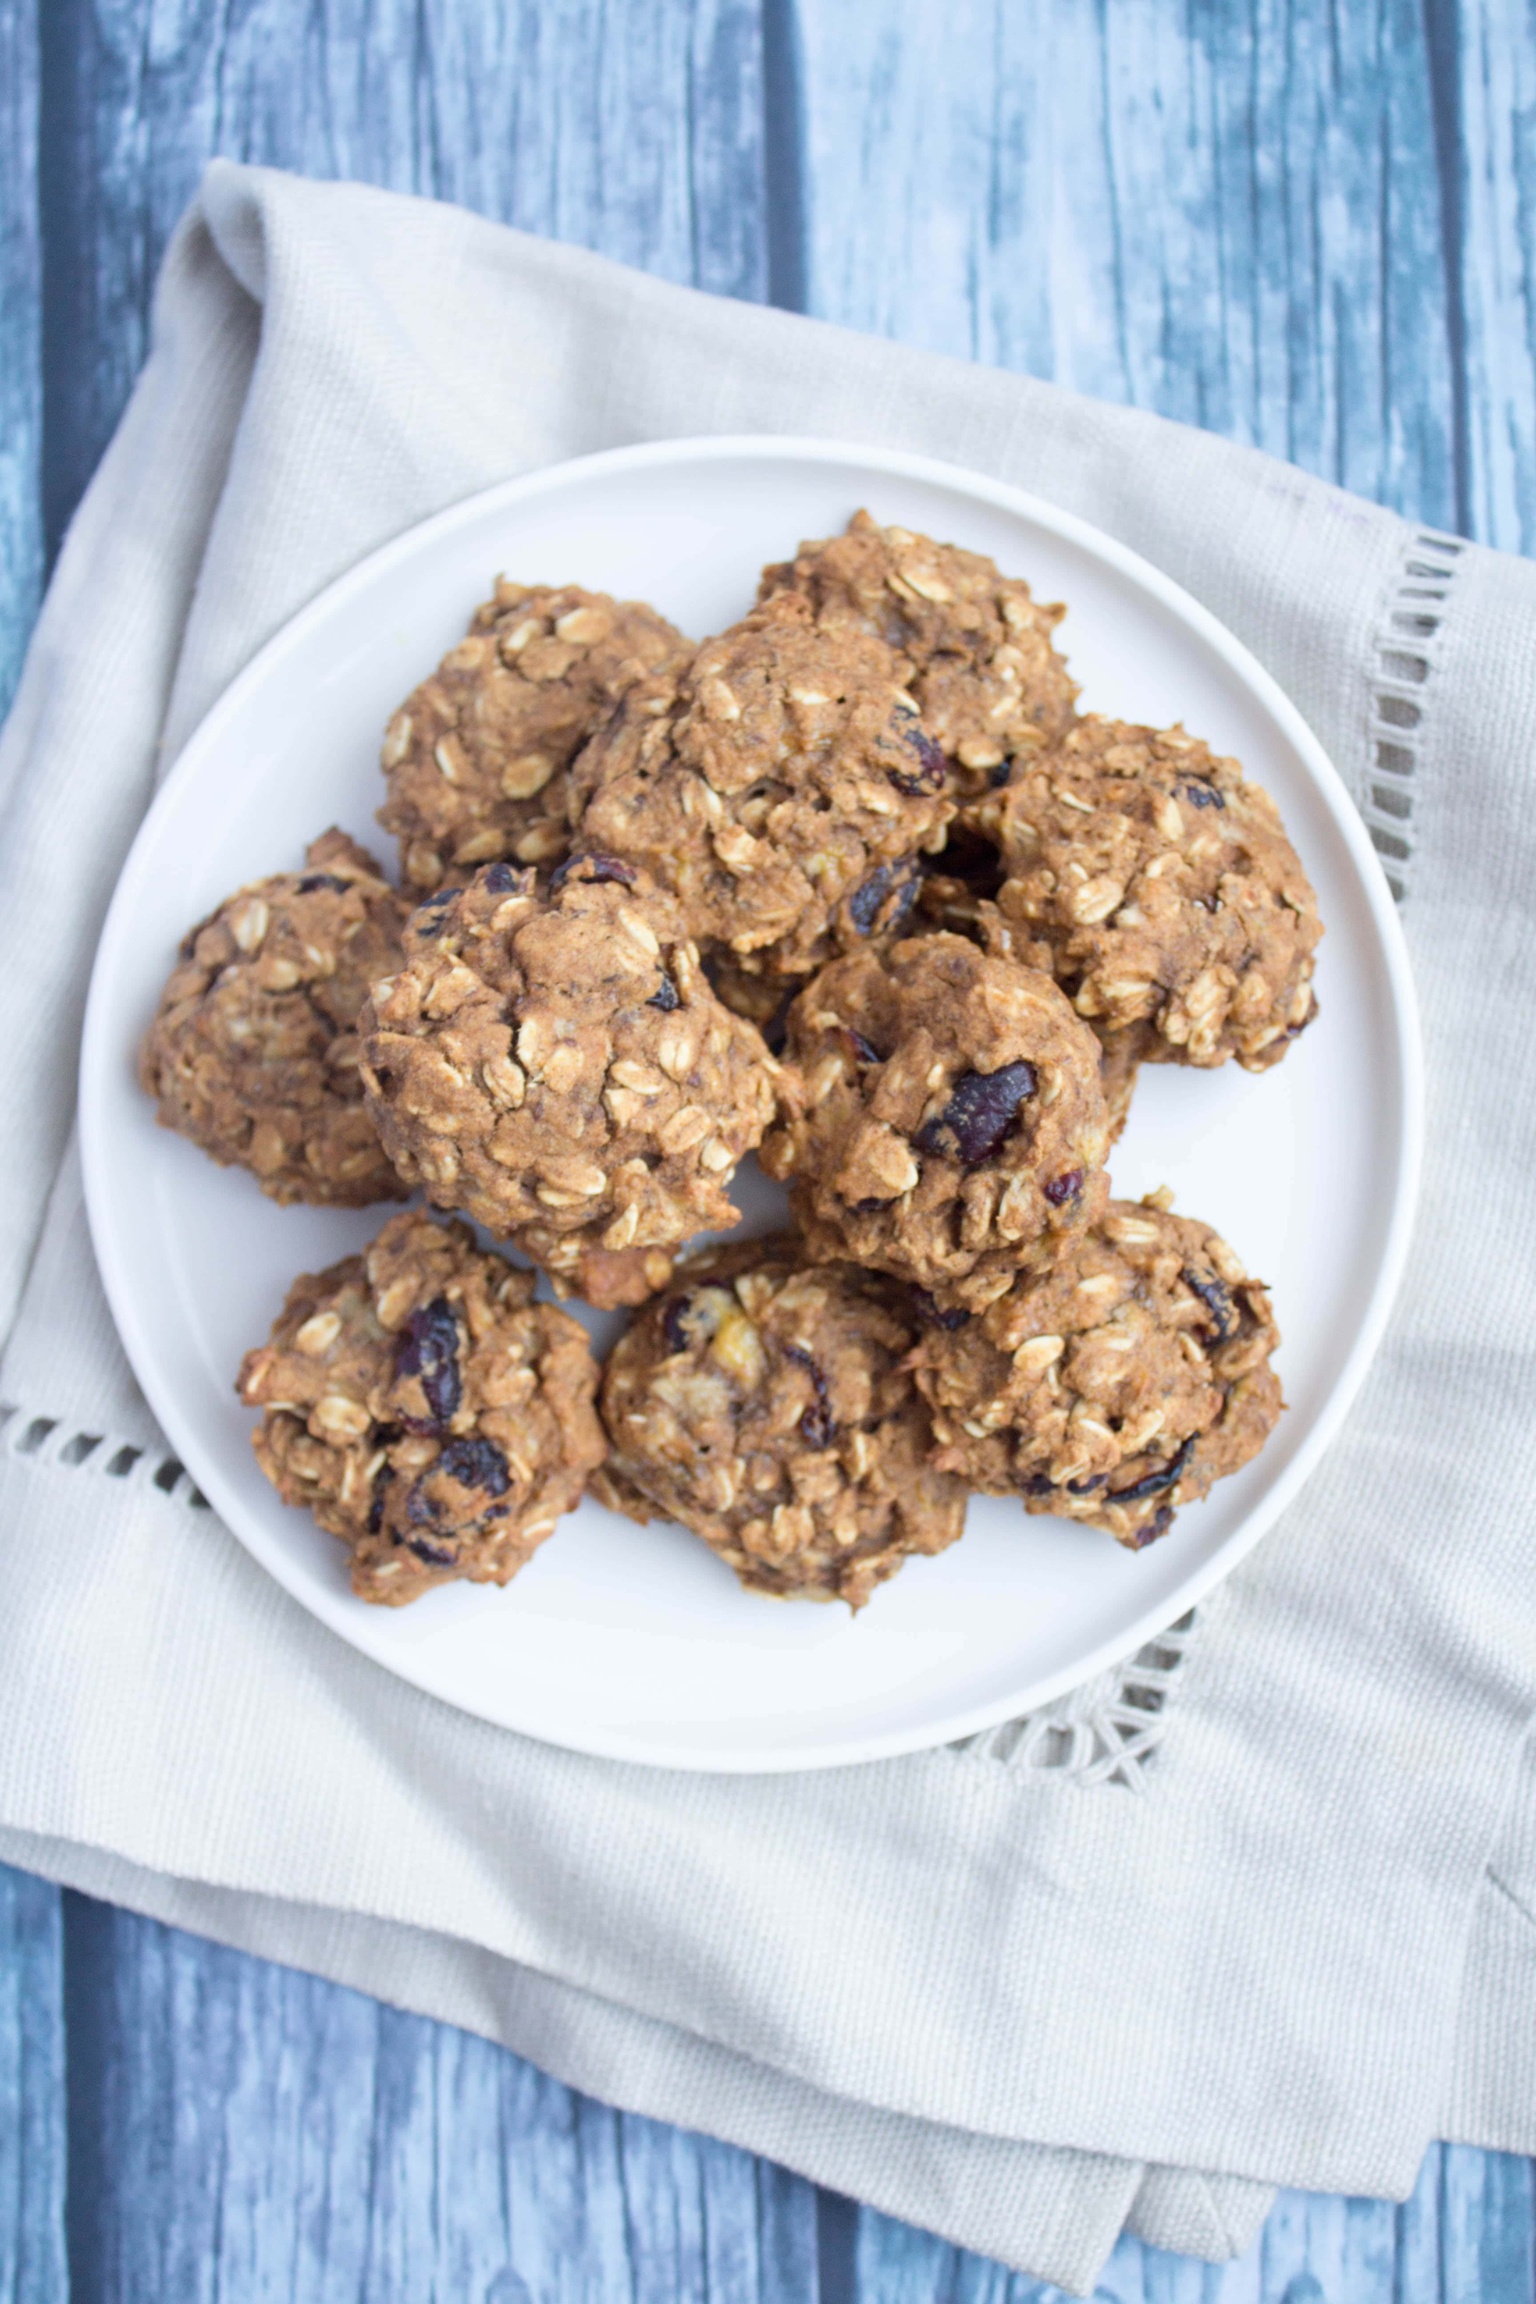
(69,1447)
(1407,655)
(1106,1732)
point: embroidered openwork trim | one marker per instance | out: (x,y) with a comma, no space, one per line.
(1407,652)
(47,1440)
(1107,1731)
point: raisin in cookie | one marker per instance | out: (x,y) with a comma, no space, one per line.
(552,1060)
(960,895)
(1115,1387)
(766,1405)
(425,1410)
(776,791)
(253,1052)
(1167,891)
(985,674)
(949,1125)
(477,757)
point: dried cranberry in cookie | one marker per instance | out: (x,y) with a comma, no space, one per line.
(985,674)
(550,1058)
(253,1052)
(1167,891)
(425,1410)
(949,1124)
(766,1405)
(1114,1387)
(477,756)
(960,895)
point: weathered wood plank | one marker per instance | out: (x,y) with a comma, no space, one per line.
(240,2131)
(1229,214)
(634,130)
(1487,2227)
(31,2093)
(1467,2236)
(1497,75)
(21,400)
(899,2266)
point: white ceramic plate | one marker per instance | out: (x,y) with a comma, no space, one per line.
(637,1643)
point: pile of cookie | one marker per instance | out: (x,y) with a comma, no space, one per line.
(853,885)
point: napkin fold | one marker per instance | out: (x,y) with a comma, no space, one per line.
(1020,2010)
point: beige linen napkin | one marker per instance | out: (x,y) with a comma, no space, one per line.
(1015,2009)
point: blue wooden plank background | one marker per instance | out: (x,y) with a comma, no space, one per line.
(1308,224)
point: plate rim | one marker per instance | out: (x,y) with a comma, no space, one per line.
(98,1055)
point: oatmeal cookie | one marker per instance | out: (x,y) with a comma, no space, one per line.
(987,679)
(425,1410)
(551,1059)
(765,1404)
(1167,891)
(1114,1387)
(477,757)
(253,1051)
(949,1125)
(781,791)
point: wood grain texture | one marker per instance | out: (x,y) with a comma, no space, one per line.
(1497,76)
(31,2092)
(1465,2237)
(21,383)
(239,2131)
(1228,213)
(634,129)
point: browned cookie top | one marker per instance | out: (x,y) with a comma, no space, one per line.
(986,676)
(477,757)
(1114,1387)
(951,1125)
(425,1409)
(1166,888)
(766,1406)
(253,1051)
(551,1059)
(776,791)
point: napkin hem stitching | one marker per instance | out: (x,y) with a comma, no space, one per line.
(69,1447)
(1407,656)
(1108,1731)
